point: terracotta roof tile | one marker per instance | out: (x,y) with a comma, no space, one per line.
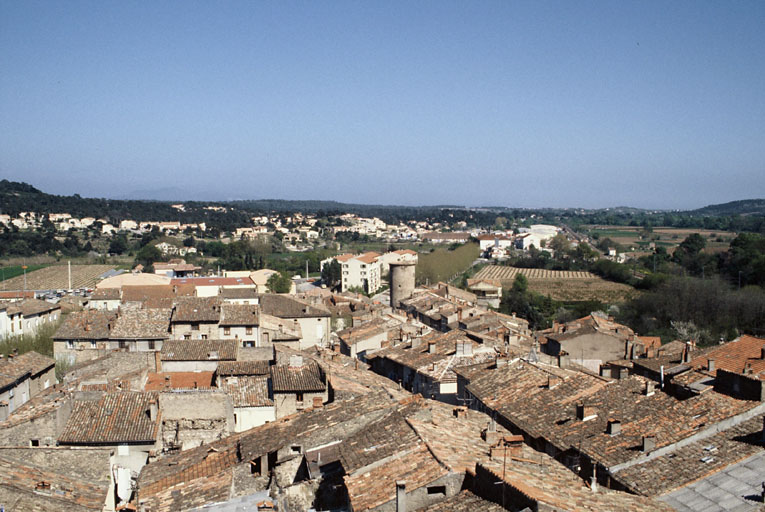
(115,418)
(199,350)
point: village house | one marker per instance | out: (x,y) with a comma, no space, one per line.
(105,299)
(297,386)
(239,295)
(176,269)
(23,377)
(212,286)
(488,292)
(358,341)
(196,355)
(140,330)
(313,319)
(126,421)
(27,316)
(82,335)
(589,341)
(240,322)
(195,318)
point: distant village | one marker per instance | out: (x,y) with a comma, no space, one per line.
(172,390)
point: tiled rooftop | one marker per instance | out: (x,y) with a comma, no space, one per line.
(13,368)
(248,391)
(239,314)
(199,350)
(142,324)
(283,306)
(196,309)
(89,324)
(113,419)
(308,377)
(233,368)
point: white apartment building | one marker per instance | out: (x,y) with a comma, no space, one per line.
(361,271)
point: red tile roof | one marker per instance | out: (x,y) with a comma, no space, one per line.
(115,418)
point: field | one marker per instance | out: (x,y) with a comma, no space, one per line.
(566,286)
(633,238)
(16,270)
(444,265)
(56,277)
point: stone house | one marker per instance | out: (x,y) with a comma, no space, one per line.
(240,322)
(196,355)
(23,377)
(297,386)
(313,319)
(195,318)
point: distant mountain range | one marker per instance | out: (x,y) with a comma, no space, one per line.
(19,196)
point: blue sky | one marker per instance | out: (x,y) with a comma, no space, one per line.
(579,104)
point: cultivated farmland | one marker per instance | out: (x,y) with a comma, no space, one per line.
(563,285)
(57,278)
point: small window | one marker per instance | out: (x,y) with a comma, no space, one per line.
(227,331)
(437,490)
(299,397)
(249,344)
(34,443)
(70,345)
(187,336)
(93,344)
(152,345)
(295,449)
(248,330)
(195,327)
(204,336)
(123,344)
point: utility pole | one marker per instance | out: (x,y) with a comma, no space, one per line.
(306,269)
(69,264)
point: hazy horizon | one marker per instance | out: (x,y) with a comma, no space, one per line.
(520,104)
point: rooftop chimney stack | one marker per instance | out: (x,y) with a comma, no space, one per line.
(614,427)
(710,365)
(431,347)
(153,410)
(401,496)
(650,388)
(649,443)
(553,381)
(585,412)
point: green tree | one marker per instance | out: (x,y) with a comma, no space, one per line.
(148,255)
(331,274)
(118,245)
(279,283)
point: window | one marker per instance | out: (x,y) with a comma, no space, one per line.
(69,344)
(93,344)
(187,336)
(204,336)
(123,344)
(195,327)
(437,490)
(248,330)
(152,345)
(248,344)
(34,442)
(299,397)
(227,331)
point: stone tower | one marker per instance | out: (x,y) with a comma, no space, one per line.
(401,282)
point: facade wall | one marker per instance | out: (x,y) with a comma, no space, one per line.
(315,331)
(287,403)
(591,350)
(42,382)
(204,329)
(239,333)
(190,419)
(189,366)
(420,498)
(16,396)
(246,418)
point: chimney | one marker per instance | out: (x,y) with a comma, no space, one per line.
(490,434)
(614,427)
(296,361)
(553,381)
(650,388)
(460,411)
(710,365)
(153,410)
(416,342)
(158,361)
(687,352)
(585,412)
(400,495)
(649,443)
(431,347)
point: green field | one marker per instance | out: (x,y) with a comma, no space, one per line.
(16,270)
(443,264)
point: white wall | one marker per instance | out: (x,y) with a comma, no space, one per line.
(249,417)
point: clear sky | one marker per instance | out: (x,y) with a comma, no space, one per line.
(652,104)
